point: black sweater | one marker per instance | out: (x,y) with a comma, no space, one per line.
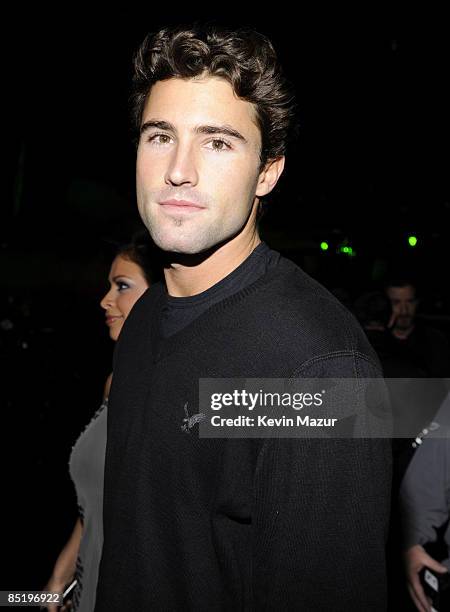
(220,524)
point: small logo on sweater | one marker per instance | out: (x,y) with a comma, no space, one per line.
(190,421)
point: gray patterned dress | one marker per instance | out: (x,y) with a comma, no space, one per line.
(87,466)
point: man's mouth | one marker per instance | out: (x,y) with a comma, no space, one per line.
(181,206)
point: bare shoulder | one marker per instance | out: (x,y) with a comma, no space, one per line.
(107,386)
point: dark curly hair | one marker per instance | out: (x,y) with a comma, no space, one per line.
(245,58)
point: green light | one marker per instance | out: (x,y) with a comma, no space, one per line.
(412,241)
(324,246)
(348,250)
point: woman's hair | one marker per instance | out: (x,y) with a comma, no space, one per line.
(244,58)
(142,251)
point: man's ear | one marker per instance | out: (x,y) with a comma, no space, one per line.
(269,176)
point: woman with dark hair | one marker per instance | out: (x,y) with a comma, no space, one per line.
(130,276)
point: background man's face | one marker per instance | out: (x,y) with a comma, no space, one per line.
(197,163)
(404,306)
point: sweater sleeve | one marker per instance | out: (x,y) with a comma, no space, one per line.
(425,491)
(321,517)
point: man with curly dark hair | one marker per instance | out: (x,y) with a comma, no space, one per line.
(195,523)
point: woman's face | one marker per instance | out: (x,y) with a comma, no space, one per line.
(127,284)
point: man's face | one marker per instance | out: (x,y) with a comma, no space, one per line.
(197,170)
(404,306)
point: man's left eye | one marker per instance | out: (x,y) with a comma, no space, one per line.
(219,145)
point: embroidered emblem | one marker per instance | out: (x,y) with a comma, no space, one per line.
(190,421)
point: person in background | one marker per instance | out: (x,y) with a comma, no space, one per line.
(425,506)
(131,273)
(415,354)
(424,348)
(413,350)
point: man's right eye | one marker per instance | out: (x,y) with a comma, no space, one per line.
(159,139)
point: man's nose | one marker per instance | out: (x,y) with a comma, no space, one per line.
(182,169)
(404,308)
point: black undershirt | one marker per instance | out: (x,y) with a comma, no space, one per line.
(181,311)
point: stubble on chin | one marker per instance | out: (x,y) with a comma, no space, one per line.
(183,243)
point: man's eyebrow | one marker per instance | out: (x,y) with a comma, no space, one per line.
(220,129)
(226,130)
(160,125)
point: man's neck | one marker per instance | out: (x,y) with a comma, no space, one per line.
(197,274)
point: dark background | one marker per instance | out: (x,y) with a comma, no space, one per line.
(368,170)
